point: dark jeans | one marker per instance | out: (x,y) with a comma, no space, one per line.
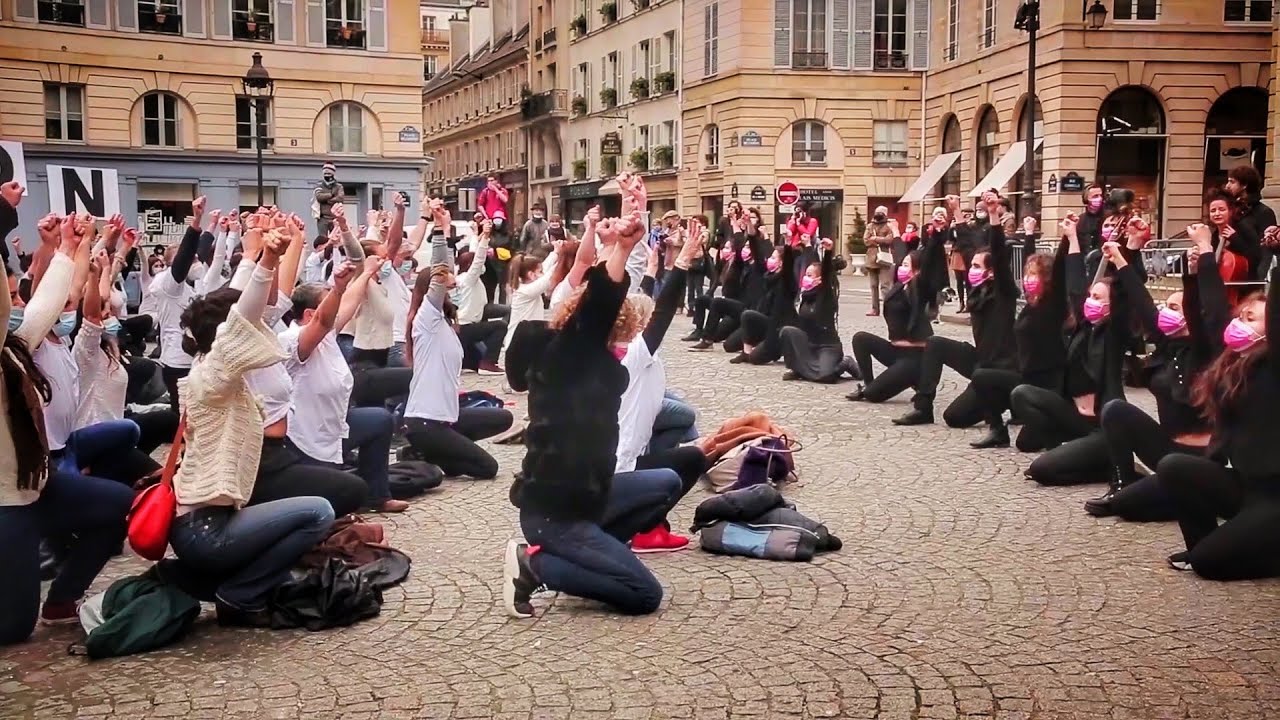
(496,312)
(962,357)
(902,366)
(1247,545)
(171,377)
(252,549)
(495,280)
(700,308)
(284,472)
(371,358)
(722,319)
(109,450)
(733,343)
(89,512)
(157,428)
(452,447)
(821,363)
(962,284)
(689,462)
(1076,462)
(489,332)
(373,387)
(676,423)
(141,371)
(369,431)
(592,561)
(1048,418)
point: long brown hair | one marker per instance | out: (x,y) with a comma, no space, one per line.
(29,391)
(566,256)
(1221,384)
(521,265)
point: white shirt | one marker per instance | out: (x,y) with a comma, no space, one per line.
(560,294)
(318,418)
(59,366)
(171,297)
(398,296)
(526,304)
(103,382)
(469,295)
(274,389)
(437,367)
(640,403)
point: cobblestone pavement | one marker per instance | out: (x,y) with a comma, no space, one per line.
(963,590)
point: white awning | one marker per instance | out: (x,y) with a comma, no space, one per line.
(920,189)
(1005,169)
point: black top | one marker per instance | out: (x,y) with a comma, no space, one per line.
(664,306)
(1089,231)
(1258,218)
(906,307)
(1246,432)
(992,306)
(575,388)
(755,271)
(816,315)
(780,290)
(1095,352)
(1037,331)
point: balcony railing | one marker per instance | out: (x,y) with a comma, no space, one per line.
(539,172)
(434,37)
(891,60)
(338,35)
(549,39)
(61,13)
(554,170)
(252,29)
(545,103)
(159,19)
(808,60)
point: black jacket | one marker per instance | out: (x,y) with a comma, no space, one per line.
(992,307)
(1038,329)
(1089,231)
(906,307)
(816,315)
(1098,350)
(780,291)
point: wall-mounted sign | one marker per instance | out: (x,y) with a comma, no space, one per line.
(611,144)
(1053,183)
(758,194)
(1071,182)
(410,134)
(788,193)
(13,166)
(751,138)
(79,189)
(581,191)
(822,195)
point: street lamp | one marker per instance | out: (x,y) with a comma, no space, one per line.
(1029,20)
(1095,17)
(259,88)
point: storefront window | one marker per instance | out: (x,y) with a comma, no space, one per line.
(1235,134)
(163,211)
(1131,149)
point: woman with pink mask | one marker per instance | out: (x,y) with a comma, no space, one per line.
(811,349)
(777,309)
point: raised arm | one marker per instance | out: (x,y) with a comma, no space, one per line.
(350,243)
(186,253)
(83,260)
(322,323)
(395,233)
(48,300)
(1134,294)
(1273,320)
(1001,263)
(253,300)
(287,276)
(357,291)
(586,256)
(1215,309)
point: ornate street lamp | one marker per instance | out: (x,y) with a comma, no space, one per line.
(1028,19)
(1096,16)
(259,88)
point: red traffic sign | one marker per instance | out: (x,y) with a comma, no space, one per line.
(788,193)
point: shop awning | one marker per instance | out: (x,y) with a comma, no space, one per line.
(1005,169)
(920,189)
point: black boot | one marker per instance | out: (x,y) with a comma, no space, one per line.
(922,414)
(702,345)
(739,358)
(694,336)
(848,365)
(1102,506)
(856,395)
(997,437)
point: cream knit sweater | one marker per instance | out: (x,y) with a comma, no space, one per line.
(224,419)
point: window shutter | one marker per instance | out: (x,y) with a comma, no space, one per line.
(782,33)
(97,14)
(920,35)
(840,11)
(193,18)
(377,25)
(655,57)
(126,15)
(863,21)
(315,23)
(286,20)
(221,28)
(635,61)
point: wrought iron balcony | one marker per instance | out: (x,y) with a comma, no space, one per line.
(543,104)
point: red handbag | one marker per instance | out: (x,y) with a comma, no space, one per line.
(155,507)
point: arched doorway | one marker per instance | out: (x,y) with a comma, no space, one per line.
(950,182)
(1235,133)
(1016,185)
(1131,148)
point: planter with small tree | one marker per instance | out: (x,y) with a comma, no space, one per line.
(664,82)
(579,25)
(662,157)
(579,105)
(854,243)
(640,88)
(640,159)
(579,169)
(609,97)
(609,12)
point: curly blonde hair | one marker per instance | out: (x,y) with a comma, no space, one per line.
(625,327)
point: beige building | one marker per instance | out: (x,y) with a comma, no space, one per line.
(436,16)
(472,110)
(1163,98)
(825,94)
(147,97)
(545,102)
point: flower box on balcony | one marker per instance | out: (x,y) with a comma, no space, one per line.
(609,97)
(640,159)
(662,157)
(664,82)
(579,169)
(640,88)
(579,106)
(579,25)
(609,12)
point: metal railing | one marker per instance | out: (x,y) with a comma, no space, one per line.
(545,103)
(808,60)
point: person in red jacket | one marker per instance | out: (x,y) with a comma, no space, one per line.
(801,223)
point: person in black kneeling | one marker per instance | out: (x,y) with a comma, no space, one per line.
(811,349)
(777,309)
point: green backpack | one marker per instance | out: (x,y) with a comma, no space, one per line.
(134,615)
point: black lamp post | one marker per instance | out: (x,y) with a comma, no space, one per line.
(259,88)
(1029,20)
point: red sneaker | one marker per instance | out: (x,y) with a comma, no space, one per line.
(658,540)
(59,613)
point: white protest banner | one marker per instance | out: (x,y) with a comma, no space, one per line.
(13,165)
(78,189)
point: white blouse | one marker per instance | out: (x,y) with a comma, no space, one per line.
(103,381)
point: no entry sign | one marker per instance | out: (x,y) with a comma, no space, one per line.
(788,193)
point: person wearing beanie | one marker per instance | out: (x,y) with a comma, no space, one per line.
(327,194)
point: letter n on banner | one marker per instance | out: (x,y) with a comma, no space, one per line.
(89,190)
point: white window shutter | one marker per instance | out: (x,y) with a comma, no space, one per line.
(97,14)
(315,23)
(193,18)
(25,10)
(377,25)
(919,34)
(782,33)
(286,19)
(840,11)
(655,57)
(126,15)
(863,21)
(635,61)
(221,28)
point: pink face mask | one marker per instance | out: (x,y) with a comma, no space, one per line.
(808,283)
(1031,286)
(1107,232)
(745,254)
(1095,204)
(1095,311)
(903,274)
(1170,321)
(1239,336)
(977,277)
(772,264)
(619,351)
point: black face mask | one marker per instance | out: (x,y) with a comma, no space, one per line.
(879,217)
(328,179)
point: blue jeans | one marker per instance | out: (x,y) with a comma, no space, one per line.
(592,561)
(370,430)
(395,355)
(252,549)
(347,344)
(99,446)
(91,511)
(676,423)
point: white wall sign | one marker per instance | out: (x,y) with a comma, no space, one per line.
(12,164)
(78,189)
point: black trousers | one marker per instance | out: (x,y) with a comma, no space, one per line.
(694,281)
(688,461)
(815,363)
(284,473)
(722,319)
(1048,418)
(733,343)
(902,366)
(158,428)
(495,280)
(1132,433)
(1247,545)
(452,447)
(964,411)
(701,307)
(489,332)
(374,386)
(141,372)
(962,284)
(171,377)
(759,331)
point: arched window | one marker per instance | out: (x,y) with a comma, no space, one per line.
(346,128)
(809,143)
(987,145)
(1131,111)
(950,183)
(1131,149)
(160,112)
(712,139)
(1017,184)
(1235,133)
